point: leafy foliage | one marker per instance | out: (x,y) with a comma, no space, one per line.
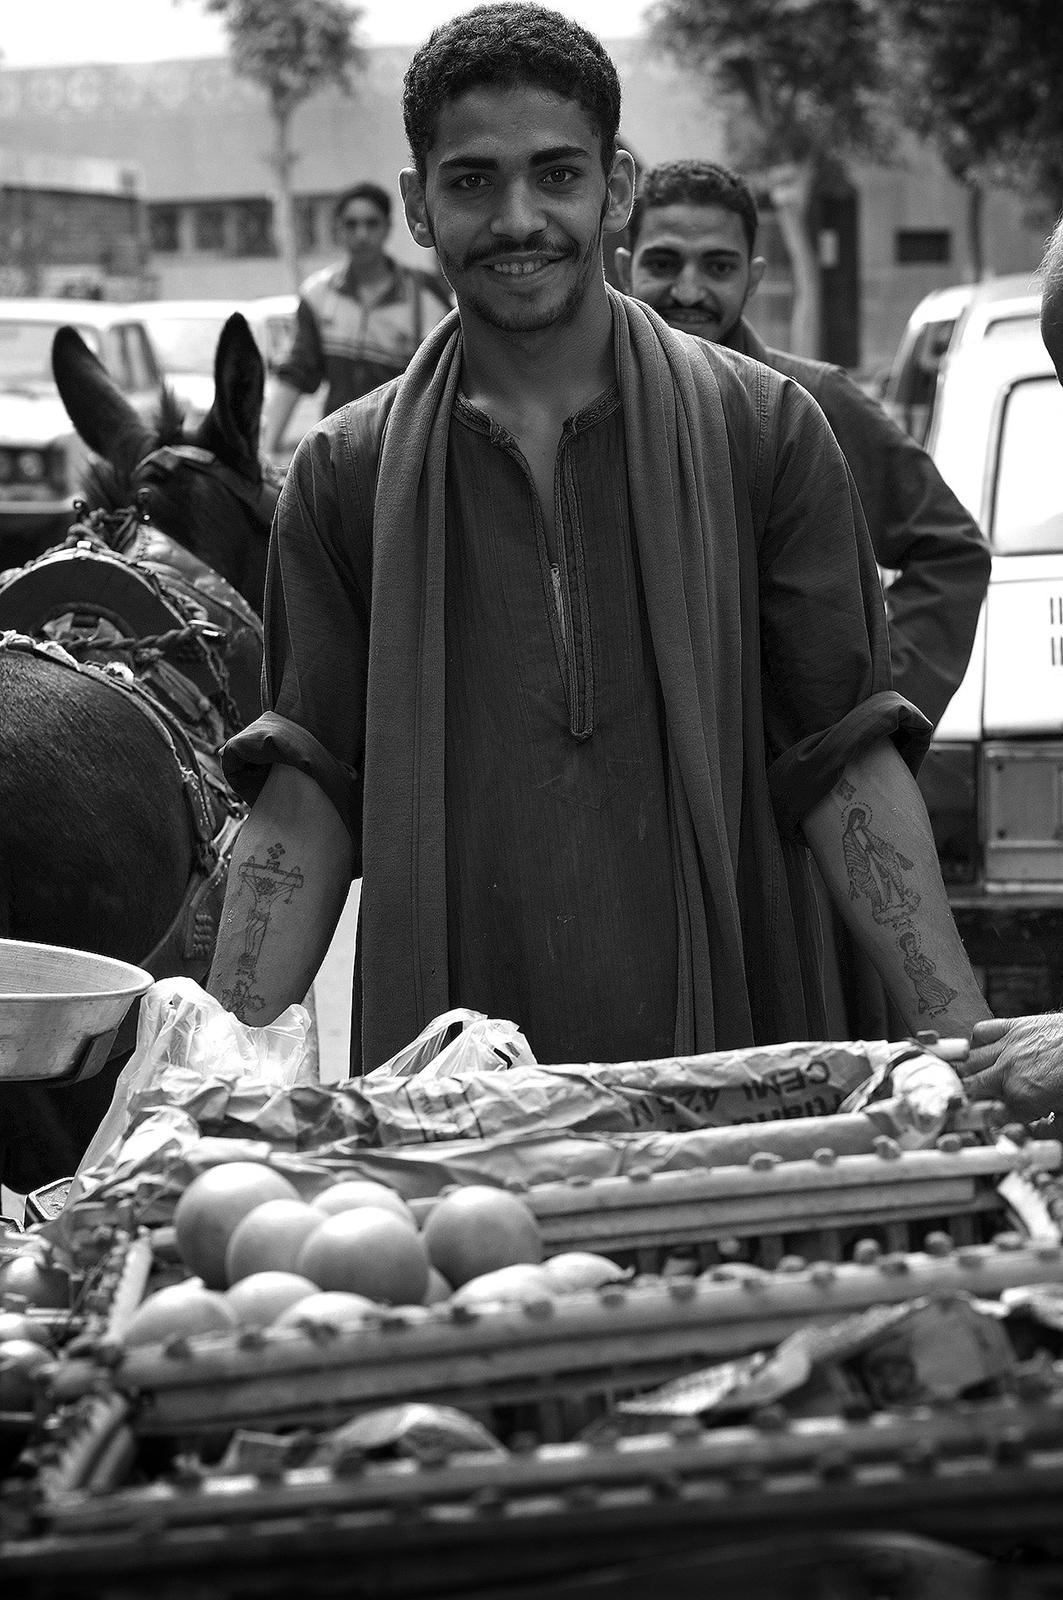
(983,81)
(805,74)
(291,48)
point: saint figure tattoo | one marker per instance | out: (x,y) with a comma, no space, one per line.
(268,882)
(876,868)
(934,996)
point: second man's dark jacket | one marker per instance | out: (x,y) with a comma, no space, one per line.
(918,528)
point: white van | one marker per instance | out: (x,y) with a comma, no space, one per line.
(940,323)
(994,778)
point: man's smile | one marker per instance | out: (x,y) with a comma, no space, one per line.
(692,314)
(521,266)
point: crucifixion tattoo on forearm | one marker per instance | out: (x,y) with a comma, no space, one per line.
(878,871)
(268,882)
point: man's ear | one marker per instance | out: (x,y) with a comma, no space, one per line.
(756,272)
(411,188)
(620,193)
(622,258)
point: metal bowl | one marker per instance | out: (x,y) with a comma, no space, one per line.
(60,1010)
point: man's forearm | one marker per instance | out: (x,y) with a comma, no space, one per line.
(280,403)
(288,881)
(872,840)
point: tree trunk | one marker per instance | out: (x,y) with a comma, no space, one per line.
(791,189)
(975,234)
(282,160)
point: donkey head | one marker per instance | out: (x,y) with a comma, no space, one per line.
(215,500)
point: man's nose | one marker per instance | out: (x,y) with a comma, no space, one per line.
(690,287)
(518,213)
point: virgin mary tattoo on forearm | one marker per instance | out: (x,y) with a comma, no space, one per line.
(876,870)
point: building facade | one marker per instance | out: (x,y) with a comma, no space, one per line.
(71,226)
(200,137)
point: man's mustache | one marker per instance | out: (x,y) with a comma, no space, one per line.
(501,252)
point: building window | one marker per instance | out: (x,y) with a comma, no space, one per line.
(253,228)
(164,229)
(923,247)
(208,227)
(305,209)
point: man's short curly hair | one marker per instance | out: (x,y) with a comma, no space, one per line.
(694,183)
(372,192)
(502,45)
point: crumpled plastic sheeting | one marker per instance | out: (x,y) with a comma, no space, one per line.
(714,1090)
(928,1350)
(167,1151)
(194,1054)
(482,1044)
(525,1125)
(911,1097)
(415,1429)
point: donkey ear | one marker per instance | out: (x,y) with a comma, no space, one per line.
(97,407)
(231,425)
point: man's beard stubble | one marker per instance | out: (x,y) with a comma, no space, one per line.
(560,317)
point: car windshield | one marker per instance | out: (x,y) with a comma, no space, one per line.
(1001,328)
(186,344)
(26,352)
(912,384)
(1028,496)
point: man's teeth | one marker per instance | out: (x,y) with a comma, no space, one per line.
(518,269)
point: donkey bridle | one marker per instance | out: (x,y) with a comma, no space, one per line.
(170,460)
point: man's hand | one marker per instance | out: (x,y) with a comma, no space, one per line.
(1018,1060)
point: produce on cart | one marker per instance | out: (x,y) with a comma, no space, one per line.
(478,1320)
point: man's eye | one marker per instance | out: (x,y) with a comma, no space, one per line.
(559,175)
(660,266)
(470,181)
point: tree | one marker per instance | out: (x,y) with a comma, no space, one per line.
(982,81)
(290,49)
(803,78)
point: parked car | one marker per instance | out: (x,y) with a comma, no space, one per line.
(994,778)
(41,457)
(940,323)
(185,335)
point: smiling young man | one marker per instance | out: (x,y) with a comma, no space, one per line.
(574,640)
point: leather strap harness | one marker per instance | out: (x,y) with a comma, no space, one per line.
(179,631)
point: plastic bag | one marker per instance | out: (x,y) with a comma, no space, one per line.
(669,1095)
(910,1097)
(482,1044)
(184,1034)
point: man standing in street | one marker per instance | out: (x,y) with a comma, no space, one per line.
(358,323)
(693,258)
(575,645)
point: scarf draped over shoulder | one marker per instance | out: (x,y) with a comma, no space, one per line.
(694,574)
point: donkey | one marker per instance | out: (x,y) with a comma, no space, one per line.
(109,813)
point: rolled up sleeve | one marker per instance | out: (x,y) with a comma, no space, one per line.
(273,740)
(316,620)
(826,677)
